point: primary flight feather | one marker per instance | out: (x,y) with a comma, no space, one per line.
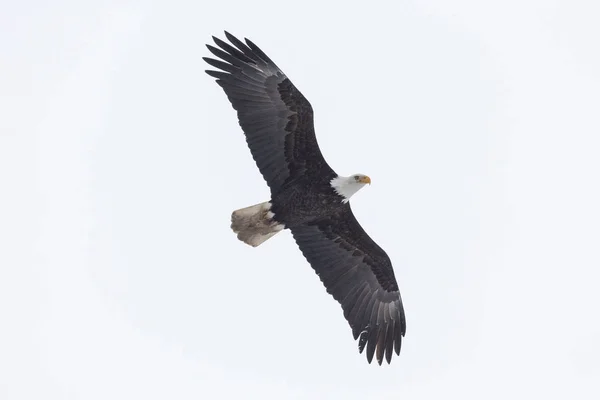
(307,196)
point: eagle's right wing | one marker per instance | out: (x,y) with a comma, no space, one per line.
(275,117)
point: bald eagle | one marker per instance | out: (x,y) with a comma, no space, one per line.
(307,196)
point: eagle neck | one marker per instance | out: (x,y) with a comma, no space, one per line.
(345,187)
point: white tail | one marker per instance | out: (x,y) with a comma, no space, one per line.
(254,225)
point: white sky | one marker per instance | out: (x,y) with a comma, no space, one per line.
(120,162)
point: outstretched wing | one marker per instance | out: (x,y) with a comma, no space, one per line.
(275,117)
(359,275)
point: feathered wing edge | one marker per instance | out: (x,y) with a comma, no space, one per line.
(359,275)
(251,82)
(276,118)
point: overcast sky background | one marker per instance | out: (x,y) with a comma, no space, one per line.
(121,161)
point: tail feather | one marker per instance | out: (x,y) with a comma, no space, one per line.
(255,224)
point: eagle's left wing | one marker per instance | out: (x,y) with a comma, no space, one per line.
(359,275)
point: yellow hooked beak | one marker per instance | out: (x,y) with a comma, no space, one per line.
(365,179)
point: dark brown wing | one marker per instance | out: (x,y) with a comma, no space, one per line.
(275,117)
(359,275)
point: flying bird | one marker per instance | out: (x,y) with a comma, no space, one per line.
(307,196)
